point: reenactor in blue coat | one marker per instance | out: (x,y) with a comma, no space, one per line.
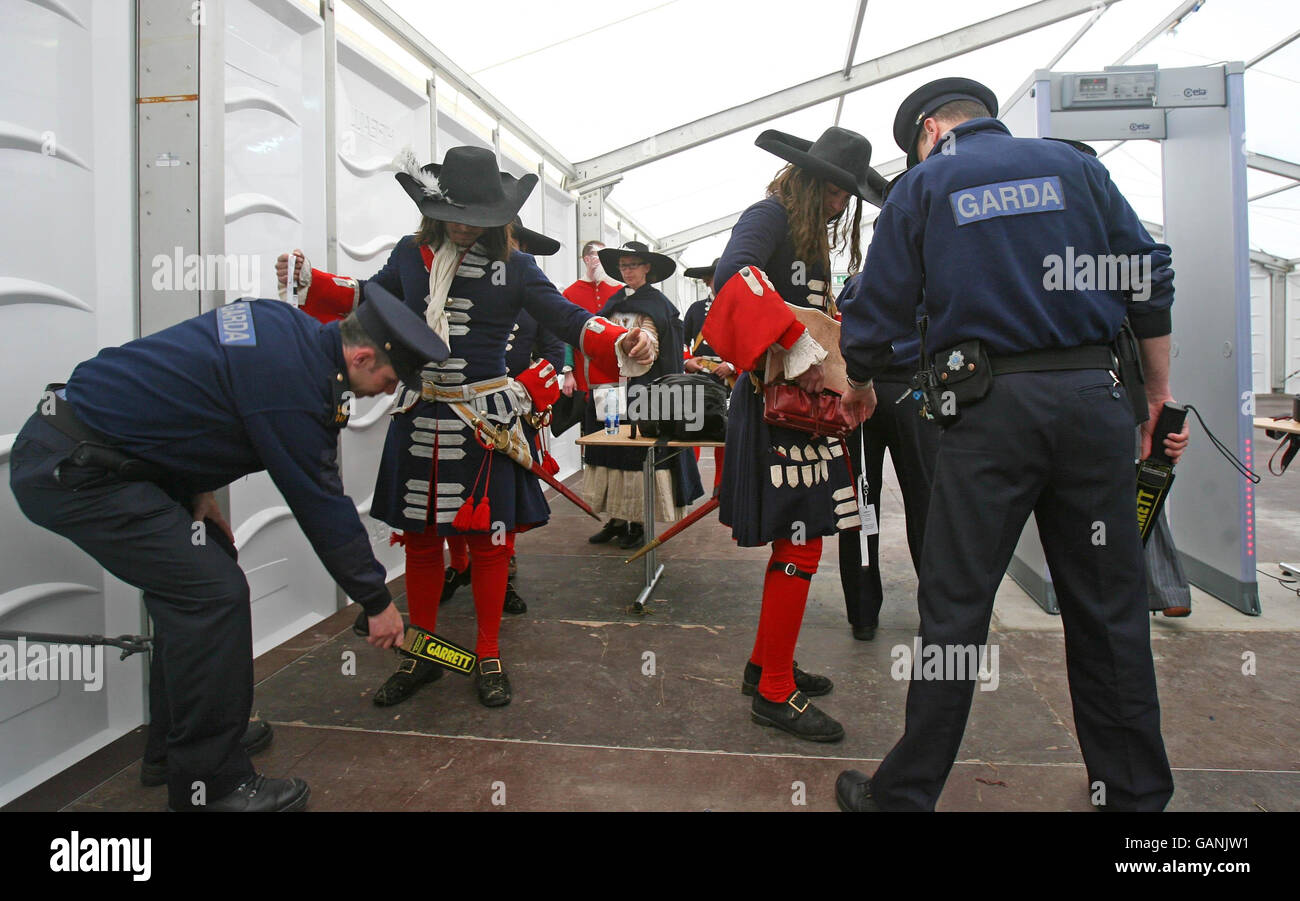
(123,461)
(1035,421)
(456,460)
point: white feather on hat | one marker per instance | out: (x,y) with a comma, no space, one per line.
(405,161)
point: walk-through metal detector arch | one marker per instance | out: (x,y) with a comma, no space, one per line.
(1197,116)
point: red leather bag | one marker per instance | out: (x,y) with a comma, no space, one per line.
(791,407)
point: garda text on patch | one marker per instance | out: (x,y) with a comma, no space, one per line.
(235,325)
(1007,198)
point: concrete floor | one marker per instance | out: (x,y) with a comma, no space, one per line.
(592,728)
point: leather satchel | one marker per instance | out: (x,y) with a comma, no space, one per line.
(791,407)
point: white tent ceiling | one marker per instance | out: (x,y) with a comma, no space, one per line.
(589,78)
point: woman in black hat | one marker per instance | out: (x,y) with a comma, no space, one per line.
(781,486)
(449,465)
(611,477)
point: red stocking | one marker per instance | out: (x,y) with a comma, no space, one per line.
(488,577)
(459,552)
(424,575)
(784,599)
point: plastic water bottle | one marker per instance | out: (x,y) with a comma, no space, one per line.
(611,411)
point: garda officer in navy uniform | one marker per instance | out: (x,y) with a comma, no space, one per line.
(975,226)
(912,443)
(123,460)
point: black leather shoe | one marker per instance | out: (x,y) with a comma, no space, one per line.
(411,673)
(853,793)
(864,633)
(615,528)
(260,795)
(796,715)
(493,683)
(812,685)
(257,737)
(634,538)
(452,580)
(514,603)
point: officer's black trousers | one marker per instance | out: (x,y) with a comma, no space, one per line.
(1059,444)
(193,588)
(912,443)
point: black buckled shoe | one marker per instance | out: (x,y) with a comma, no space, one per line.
(615,528)
(796,715)
(411,673)
(453,579)
(260,795)
(811,684)
(514,603)
(492,682)
(853,793)
(634,538)
(257,737)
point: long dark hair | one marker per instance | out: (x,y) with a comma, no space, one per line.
(803,196)
(495,240)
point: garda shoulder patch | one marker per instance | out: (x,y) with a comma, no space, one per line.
(1007,198)
(235,325)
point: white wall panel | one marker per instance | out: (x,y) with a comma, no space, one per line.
(66,288)
(274,203)
(378,114)
(1260,316)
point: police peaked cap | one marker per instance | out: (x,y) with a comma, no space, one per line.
(660,266)
(702,272)
(529,241)
(922,103)
(840,156)
(403,335)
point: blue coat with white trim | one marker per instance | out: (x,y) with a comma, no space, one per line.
(994,234)
(431,462)
(778,483)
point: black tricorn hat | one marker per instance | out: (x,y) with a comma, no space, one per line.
(660,266)
(465,188)
(921,104)
(403,335)
(839,156)
(704,272)
(529,241)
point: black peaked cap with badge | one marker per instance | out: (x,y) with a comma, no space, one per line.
(404,336)
(840,156)
(661,266)
(465,188)
(922,103)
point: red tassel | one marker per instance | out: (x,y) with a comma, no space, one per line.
(482,519)
(549,466)
(464,516)
(396,538)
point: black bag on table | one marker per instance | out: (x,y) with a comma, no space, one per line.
(683,406)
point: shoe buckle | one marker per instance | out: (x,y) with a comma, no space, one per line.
(407,665)
(795,698)
(484,664)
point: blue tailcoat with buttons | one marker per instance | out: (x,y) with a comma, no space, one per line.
(778,482)
(249,386)
(431,462)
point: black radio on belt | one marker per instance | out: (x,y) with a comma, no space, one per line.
(1155,474)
